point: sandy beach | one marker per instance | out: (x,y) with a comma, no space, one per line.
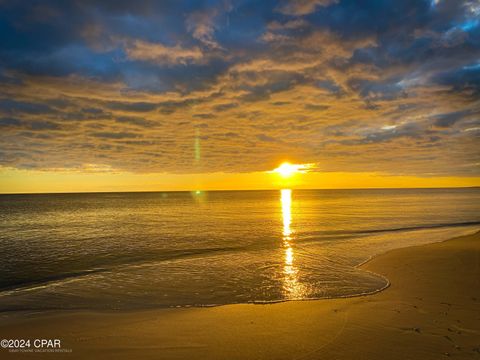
(430,311)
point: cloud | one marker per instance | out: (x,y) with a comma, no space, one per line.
(201,25)
(316,107)
(6,122)
(352,86)
(132,106)
(450,119)
(272,37)
(115,135)
(225,106)
(263,137)
(8,106)
(137,121)
(30,125)
(163,55)
(302,7)
(387,133)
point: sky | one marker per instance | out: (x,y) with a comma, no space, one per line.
(184,95)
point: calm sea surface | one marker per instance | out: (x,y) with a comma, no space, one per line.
(143,250)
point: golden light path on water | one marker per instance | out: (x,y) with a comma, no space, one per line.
(291,285)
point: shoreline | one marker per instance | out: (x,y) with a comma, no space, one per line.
(467,231)
(359,266)
(408,315)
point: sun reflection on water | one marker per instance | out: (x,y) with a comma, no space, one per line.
(293,289)
(286,199)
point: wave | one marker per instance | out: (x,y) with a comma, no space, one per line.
(150,259)
(335,234)
(47,280)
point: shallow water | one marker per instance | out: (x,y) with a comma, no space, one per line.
(143,250)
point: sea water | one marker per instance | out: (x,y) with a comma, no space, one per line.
(168,249)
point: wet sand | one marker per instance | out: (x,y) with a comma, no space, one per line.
(430,311)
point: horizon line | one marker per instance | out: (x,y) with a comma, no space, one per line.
(223,190)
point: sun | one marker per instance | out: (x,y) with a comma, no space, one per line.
(286,169)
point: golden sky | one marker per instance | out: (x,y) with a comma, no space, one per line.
(32,181)
(111,96)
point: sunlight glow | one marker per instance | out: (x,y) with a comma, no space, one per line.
(289,256)
(286,199)
(286,169)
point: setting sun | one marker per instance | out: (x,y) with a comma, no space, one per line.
(286,169)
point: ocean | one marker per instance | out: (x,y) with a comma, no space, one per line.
(104,251)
